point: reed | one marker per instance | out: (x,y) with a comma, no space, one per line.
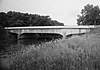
(75,53)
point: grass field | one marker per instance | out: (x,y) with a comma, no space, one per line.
(75,53)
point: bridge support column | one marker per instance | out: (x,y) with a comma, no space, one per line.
(18,36)
(63,34)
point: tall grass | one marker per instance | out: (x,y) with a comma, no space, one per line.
(76,53)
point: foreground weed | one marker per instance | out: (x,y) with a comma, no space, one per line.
(76,53)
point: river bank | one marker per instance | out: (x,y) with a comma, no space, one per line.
(75,53)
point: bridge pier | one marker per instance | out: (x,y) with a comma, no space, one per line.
(63,35)
(18,36)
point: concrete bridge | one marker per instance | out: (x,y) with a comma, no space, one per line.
(62,30)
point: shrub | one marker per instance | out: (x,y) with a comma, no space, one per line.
(76,53)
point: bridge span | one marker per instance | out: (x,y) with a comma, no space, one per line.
(62,30)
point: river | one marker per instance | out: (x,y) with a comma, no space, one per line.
(14,45)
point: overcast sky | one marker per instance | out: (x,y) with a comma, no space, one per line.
(64,11)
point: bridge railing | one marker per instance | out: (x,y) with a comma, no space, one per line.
(62,30)
(53,27)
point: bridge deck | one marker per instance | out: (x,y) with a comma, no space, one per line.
(51,27)
(62,30)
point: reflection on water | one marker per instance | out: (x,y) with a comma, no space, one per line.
(29,39)
(32,41)
(26,40)
(16,44)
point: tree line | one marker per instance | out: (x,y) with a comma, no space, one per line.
(90,15)
(16,19)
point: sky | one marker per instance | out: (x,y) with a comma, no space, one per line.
(64,11)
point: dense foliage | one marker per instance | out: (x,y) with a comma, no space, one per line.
(90,15)
(13,18)
(3,34)
(76,53)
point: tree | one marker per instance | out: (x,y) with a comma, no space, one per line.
(3,34)
(90,15)
(3,19)
(14,19)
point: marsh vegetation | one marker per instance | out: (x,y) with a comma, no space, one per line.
(75,53)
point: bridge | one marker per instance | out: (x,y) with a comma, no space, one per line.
(62,30)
